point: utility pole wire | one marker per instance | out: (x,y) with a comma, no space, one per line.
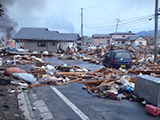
(99,4)
(120,26)
(128,21)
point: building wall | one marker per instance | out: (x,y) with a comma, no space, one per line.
(141,40)
(123,36)
(32,46)
(99,41)
(50,46)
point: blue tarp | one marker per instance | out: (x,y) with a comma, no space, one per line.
(136,45)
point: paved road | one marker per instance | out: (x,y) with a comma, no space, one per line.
(78,62)
(70,102)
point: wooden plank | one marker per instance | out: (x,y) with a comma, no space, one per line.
(106,80)
(132,80)
(71,81)
(70,73)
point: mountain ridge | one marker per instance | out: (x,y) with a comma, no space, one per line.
(147,33)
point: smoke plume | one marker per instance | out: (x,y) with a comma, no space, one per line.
(7,24)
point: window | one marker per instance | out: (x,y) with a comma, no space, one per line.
(123,36)
(41,44)
(122,55)
(53,44)
(140,43)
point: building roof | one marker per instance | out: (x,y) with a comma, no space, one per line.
(132,38)
(100,35)
(123,33)
(44,34)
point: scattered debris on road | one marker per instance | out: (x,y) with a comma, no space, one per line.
(103,82)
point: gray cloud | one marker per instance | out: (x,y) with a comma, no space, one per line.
(31,6)
(64,15)
(59,23)
(34,13)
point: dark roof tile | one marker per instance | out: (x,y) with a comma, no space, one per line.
(44,34)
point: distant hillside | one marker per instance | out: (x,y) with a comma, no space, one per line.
(147,33)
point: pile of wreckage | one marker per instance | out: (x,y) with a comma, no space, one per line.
(103,82)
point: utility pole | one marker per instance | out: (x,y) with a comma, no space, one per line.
(116,29)
(156,31)
(82,41)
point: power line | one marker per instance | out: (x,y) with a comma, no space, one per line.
(127,23)
(121,25)
(99,4)
(104,3)
(145,16)
(127,20)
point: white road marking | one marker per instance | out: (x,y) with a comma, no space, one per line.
(70,104)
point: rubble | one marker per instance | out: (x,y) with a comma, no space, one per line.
(103,82)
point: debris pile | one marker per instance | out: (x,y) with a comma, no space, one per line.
(104,82)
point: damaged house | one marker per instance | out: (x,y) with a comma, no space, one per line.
(41,39)
(137,39)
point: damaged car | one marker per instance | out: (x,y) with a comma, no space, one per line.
(117,59)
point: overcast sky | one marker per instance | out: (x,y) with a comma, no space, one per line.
(100,16)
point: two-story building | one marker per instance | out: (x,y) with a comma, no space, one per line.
(119,37)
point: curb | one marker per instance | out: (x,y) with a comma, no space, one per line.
(25,106)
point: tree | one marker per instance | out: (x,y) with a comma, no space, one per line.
(1,10)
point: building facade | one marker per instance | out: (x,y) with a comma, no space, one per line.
(119,37)
(100,39)
(138,40)
(41,39)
